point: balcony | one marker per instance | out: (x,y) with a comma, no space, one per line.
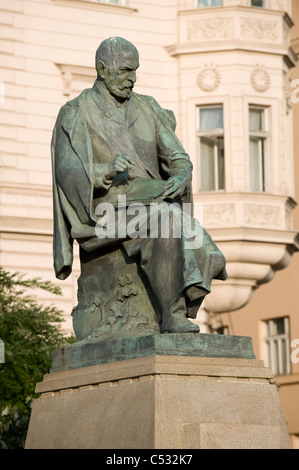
(229,28)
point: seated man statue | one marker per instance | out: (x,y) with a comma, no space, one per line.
(112,147)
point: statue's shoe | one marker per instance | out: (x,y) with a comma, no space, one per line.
(182,327)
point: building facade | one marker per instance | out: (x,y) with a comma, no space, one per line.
(228,70)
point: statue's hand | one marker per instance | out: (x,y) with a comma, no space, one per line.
(176,186)
(119,164)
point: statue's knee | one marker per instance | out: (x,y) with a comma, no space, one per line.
(218,263)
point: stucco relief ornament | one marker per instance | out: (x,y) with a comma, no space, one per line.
(287,87)
(208,78)
(260,79)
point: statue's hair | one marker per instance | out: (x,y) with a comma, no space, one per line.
(106,50)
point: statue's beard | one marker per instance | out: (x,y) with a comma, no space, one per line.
(123,92)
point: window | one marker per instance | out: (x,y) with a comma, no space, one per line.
(277,345)
(223,330)
(211,148)
(209,3)
(258,140)
(258,3)
(115,2)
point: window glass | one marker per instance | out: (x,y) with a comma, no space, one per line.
(211,148)
(115,2)
(211,118)
(277,345)
(256,119)
(209,3)
(257,3)
(258,143)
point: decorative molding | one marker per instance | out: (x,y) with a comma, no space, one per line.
(95,4)
(287,87)
(70,73)
(260,79)
(218,215)
(260,30)
(289,219)
(208,78)
(286,33)
(210,29)
(263,215)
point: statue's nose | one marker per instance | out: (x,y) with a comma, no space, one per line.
(133,76)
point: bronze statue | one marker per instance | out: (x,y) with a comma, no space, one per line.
(112,147)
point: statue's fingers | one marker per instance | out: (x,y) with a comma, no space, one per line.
(130,160)
(169,185)
(173,188)
(121,167)
(176,194)
(125,159)
(173,194)
(122,159)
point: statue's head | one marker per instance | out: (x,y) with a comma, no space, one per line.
(116,62)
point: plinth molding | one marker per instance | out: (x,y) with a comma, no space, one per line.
(159,402)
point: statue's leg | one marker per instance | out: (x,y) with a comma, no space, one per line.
(180,277)
(208,259)
(162,261)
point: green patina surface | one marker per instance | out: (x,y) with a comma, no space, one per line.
(92,352)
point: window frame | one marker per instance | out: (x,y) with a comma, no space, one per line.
(217,133)
(262,137)
(109,2)
(223,330)
(265,4)
(274,348)
(207,6)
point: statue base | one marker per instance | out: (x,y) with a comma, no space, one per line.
(100,351)
(159,401)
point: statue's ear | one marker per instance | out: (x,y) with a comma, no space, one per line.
(101,69)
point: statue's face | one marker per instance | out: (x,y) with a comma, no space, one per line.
(119,75)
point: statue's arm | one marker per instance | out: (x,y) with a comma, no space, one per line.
(172,156)
(174,160)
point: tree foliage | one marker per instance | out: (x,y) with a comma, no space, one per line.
(30,332)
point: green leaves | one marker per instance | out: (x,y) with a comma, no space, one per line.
(31,332)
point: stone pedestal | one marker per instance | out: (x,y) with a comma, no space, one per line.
(159,401)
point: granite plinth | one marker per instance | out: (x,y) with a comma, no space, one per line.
(159,402)
(91,352)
